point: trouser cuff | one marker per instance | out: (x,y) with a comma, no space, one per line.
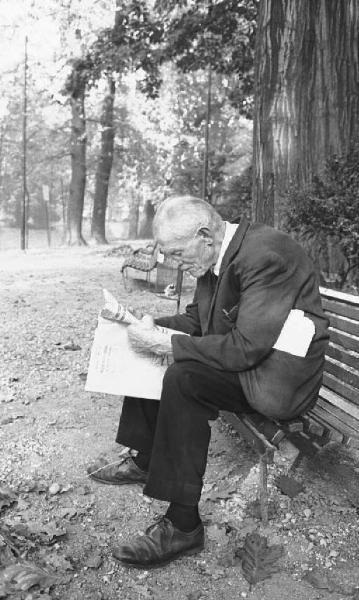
(173,491)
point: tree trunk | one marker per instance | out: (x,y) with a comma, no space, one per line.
(104,166)
(306,94)
(78,169)
(134,211)
(147,220)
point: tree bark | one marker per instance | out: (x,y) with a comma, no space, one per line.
(104,166)
(147,220)
(78,168)
(306,94)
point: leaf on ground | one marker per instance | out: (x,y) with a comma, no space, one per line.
(353,497)
(289,486)
(48,533)
(94,561)
(37,485)
(67,511)
(23,576)
(254,509)
(7,496)
(58,562)
(71,346)
(54,488)
(217,534)
(194,595)
(228,559)
(318,580)
(10,419)
(259,561)
(221,494)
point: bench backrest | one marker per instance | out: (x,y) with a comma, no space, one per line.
(341,376)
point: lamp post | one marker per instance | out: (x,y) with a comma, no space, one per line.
(206,37)
(206,134)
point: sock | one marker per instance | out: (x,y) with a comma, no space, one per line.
(142,461)
(185,518)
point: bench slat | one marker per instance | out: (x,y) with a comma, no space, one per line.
(344,324)
(339,296)
(336,400)
(346,374)
(341,388)
(339,308)
(344,339)
(348,357)
(346,421)
(338,431)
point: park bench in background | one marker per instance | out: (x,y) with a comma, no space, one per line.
(335,417)
(169,278)
(141,259)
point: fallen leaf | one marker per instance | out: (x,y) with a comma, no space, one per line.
(23,576)
(259,561)
(318,580)
(54,489)
(217,534)
(67,511)
(7,497)
(221,494)
(289,486)
(11,419)
(58,562)
(194,595)
(71,346)
(94,561)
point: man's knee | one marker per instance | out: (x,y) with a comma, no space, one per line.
(178,375)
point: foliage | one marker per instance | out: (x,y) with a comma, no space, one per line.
(221,34)
(132,44)
(329,208)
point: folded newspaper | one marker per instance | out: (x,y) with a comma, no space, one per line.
(115,368)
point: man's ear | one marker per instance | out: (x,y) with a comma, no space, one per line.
(206,234)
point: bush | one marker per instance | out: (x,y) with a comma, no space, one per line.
(328,210)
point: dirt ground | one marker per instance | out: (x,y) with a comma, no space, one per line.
(57,527)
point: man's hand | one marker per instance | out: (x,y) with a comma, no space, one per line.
(146,336)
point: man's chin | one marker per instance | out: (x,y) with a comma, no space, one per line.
(199,272)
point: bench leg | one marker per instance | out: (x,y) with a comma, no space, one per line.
(263,489)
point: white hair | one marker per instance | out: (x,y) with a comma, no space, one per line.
(180,217)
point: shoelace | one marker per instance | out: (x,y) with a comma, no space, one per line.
(125,454)
(160,523)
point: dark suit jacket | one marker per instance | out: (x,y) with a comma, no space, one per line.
(235,323)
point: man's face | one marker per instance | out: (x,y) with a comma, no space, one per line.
(196,255)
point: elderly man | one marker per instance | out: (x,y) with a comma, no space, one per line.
(245,350)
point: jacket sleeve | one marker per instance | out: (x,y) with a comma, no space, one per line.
(187,322)
(267,295)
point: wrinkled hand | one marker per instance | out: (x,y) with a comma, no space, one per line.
(146,336)
(107,314)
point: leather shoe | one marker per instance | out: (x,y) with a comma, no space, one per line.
(160,544)
(121,472)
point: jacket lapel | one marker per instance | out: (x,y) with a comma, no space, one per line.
(233,248)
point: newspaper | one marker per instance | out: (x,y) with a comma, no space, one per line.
(115,368)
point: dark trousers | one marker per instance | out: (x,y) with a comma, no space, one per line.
(175,432)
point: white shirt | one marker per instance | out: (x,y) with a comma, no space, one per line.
(230,230)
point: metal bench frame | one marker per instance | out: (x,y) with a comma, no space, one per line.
(335,417)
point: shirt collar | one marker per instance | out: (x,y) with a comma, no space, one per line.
(230,230)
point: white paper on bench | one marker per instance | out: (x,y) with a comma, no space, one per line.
(115,368)
(296,335)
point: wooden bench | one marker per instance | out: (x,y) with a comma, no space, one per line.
(148,259)
(142,259)
(335,417)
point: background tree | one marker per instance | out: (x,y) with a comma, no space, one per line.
(306,90)
(127,46)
